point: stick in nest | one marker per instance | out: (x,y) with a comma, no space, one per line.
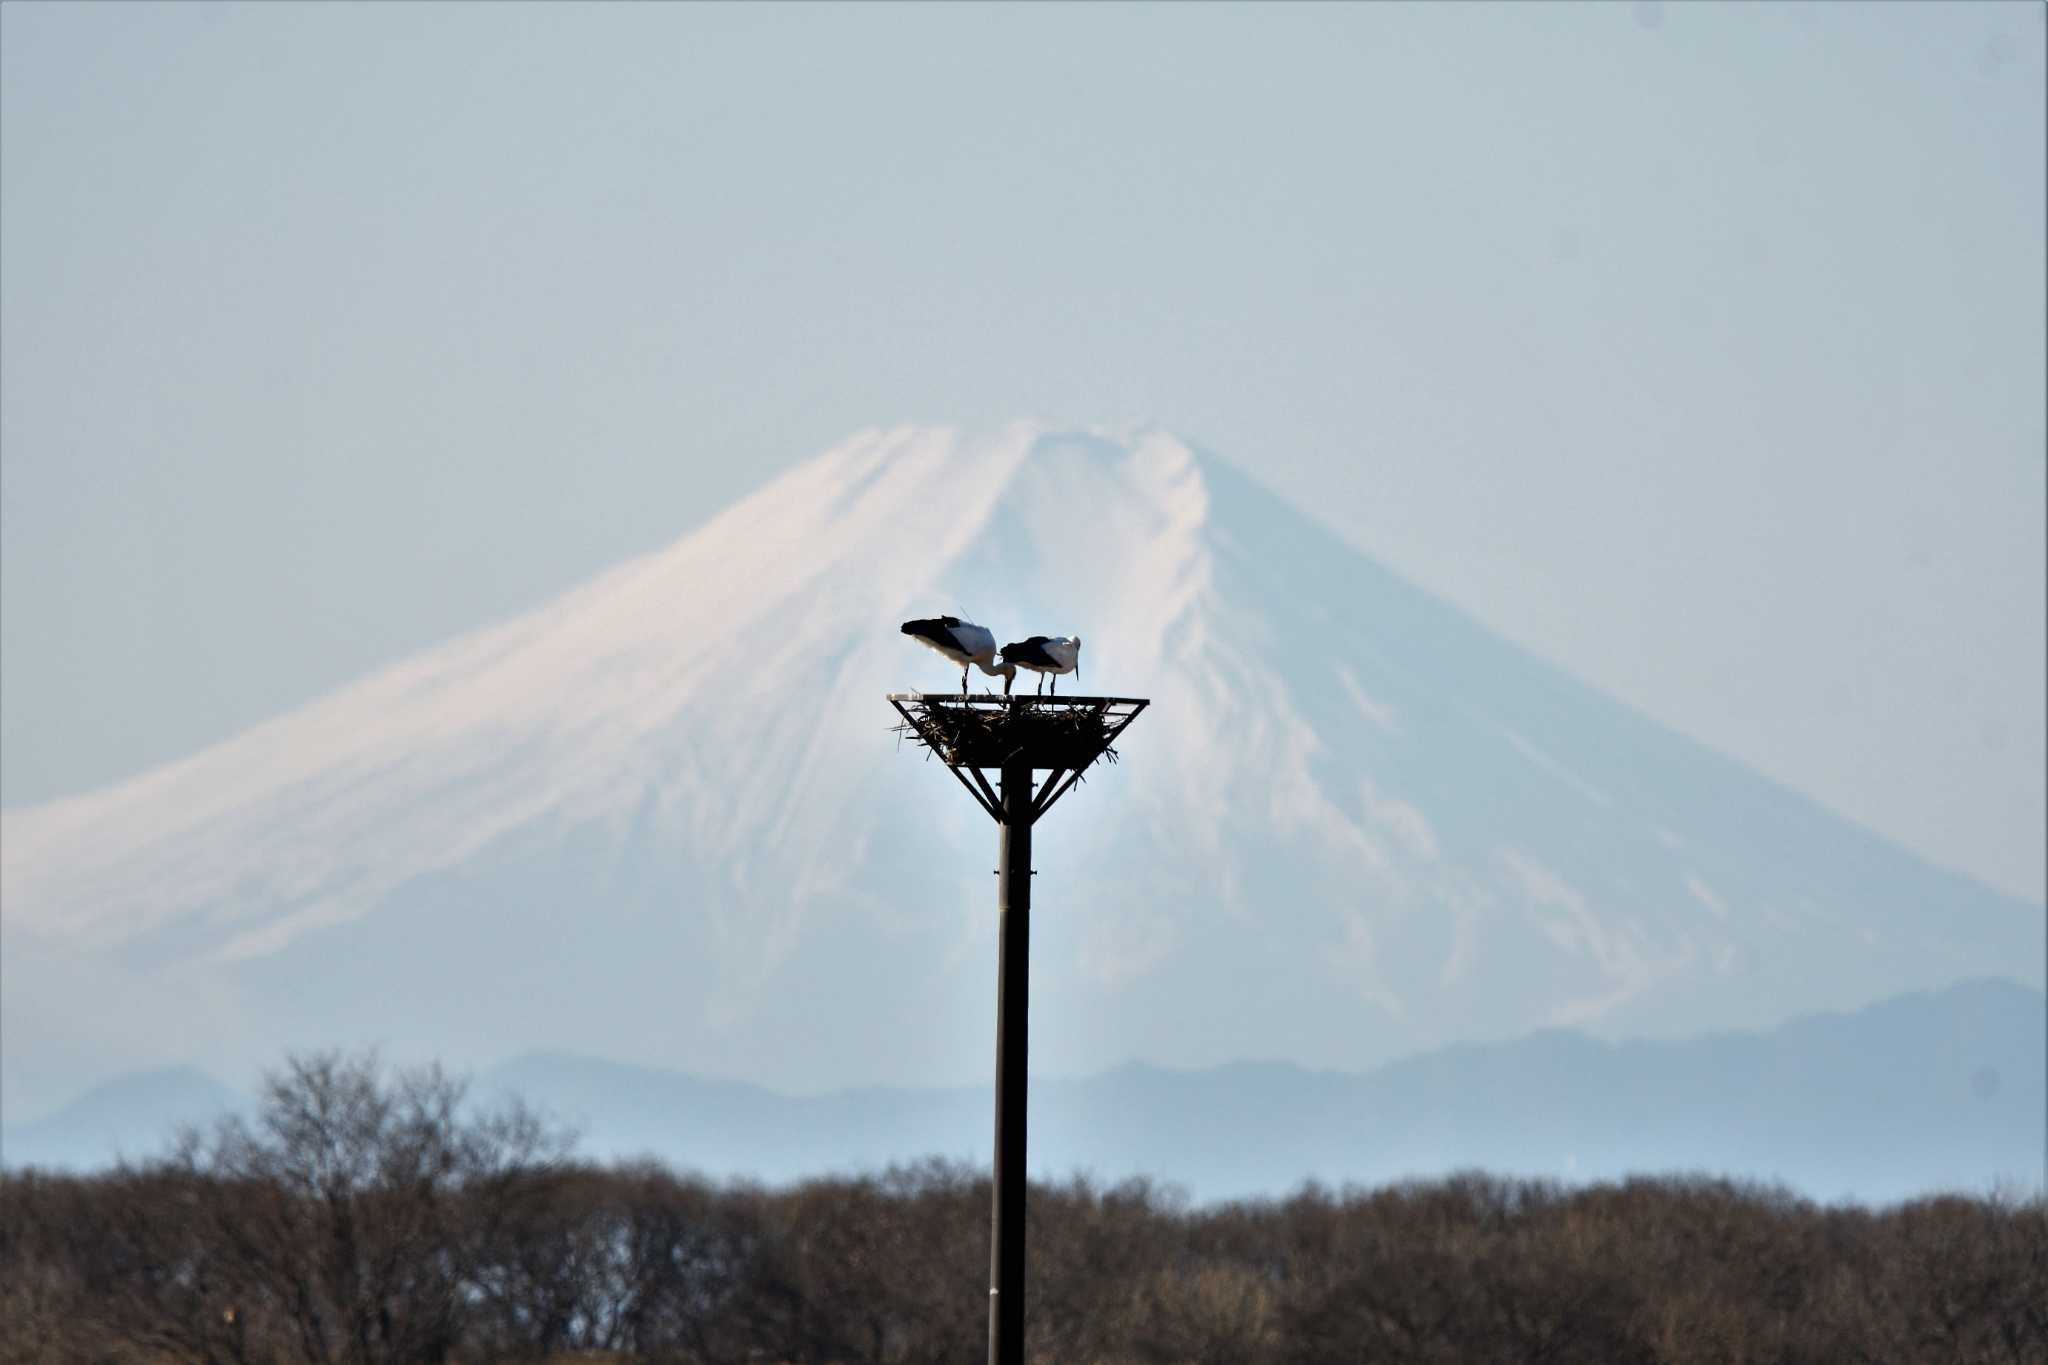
(984,737)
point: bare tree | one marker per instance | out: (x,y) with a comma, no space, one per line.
(366,1217)
(356,1210)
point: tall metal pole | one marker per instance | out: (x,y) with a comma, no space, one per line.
(1013,1007)
(960,732)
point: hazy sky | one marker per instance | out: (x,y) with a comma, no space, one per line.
(1700,348)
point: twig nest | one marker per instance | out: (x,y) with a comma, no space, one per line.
(965,735)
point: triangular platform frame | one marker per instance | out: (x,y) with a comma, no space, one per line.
(973,734)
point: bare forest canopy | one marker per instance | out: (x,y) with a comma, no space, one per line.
(363,1216)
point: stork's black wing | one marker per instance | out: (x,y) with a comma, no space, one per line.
(1030,652)
(937,629)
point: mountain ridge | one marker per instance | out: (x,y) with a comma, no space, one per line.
(1936,1090)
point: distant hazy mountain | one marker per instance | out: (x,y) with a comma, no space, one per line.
(134,1117)
(1924,1092)
(662,819)
(1945,1090)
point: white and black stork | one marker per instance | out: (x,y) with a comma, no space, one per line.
(1042,654)
(964,643)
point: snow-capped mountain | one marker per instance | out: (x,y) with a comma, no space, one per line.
(662,819)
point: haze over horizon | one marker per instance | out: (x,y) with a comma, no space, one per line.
(1698,349)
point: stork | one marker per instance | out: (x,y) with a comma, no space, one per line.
(964,643)
(1042,654)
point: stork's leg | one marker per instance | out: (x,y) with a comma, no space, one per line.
(963,680)
(1055,684)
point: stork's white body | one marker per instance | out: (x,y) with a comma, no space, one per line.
(964,643)
(1047,656)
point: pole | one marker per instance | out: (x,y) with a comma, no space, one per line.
(1013,1006)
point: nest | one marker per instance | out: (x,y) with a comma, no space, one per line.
(965,736)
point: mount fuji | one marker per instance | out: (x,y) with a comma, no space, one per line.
(661,819)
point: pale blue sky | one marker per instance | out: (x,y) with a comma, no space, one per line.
(1699,348)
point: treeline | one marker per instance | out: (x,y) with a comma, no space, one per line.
(370,1217)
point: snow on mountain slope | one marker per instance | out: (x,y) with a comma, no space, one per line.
(661,817)
(308,819)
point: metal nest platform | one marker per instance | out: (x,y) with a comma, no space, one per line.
(1063,735)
